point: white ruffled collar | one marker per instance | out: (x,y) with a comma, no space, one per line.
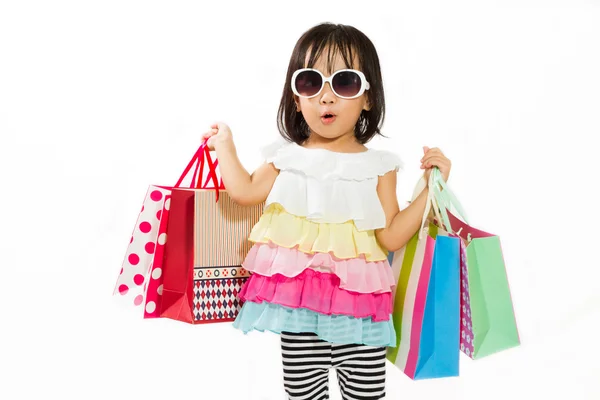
(327,164)
(331,152)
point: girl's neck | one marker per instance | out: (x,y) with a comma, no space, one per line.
(346,143)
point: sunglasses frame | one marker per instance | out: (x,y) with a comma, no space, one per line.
(364,84)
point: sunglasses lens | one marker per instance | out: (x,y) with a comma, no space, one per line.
(346,83)
(308,83)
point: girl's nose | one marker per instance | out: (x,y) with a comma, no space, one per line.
(327,95)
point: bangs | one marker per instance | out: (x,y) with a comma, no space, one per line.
(334,45)
(331,41)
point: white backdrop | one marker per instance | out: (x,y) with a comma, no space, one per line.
(100,99)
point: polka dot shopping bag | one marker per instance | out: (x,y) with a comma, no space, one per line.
(140,282)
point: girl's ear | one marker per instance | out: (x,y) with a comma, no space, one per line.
(367,105)
(297,101)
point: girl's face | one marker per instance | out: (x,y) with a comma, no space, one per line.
(346,111)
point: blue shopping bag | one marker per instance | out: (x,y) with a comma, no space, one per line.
(426,311)
(440,333)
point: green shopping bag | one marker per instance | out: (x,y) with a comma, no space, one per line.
(488,323)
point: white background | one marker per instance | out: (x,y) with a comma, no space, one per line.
(100,99)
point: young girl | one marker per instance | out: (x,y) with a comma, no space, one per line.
(320,275)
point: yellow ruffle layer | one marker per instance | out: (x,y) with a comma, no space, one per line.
(342,240)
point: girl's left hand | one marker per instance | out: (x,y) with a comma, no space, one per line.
(435,158)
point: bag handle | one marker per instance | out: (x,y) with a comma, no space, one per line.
(188,168)
(441,199)
(432,203)
(446,199)
(201,157)
(212,174)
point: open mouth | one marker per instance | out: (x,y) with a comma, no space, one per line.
(327,118)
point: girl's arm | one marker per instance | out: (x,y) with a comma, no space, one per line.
(400,226)
(243,188)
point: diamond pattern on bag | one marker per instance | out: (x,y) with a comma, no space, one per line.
(217,296)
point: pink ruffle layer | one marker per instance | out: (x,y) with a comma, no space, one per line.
(319,292)
(356,274)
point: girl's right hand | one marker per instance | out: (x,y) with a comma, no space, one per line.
(218,135)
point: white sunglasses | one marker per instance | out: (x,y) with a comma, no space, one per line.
(345,83)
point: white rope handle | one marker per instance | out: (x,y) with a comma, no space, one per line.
(431,202)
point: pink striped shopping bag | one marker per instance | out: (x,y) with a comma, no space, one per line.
(426,306)
(426,300)
(207,243)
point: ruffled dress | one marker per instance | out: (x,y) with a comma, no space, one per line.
(316,265)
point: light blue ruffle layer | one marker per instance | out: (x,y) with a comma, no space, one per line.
(332,328)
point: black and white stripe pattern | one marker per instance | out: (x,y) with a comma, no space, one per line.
(307,359)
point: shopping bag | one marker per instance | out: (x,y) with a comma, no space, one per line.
(488,323)
(207,243)
(142,252)
(139,283)
(153,290)
(426,302)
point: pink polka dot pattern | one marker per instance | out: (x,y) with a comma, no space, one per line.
(150,307)
(156,195)
(156,273)
(145,227)
(466,325)
(123,289)
(138,279)
(133,259)
(149,247)
(134,277)
(154,281)
(138,299)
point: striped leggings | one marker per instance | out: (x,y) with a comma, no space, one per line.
(307,359)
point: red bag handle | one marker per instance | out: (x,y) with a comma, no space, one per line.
(188,168)
(201,156)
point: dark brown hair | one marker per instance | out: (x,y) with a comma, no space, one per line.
(346,41)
